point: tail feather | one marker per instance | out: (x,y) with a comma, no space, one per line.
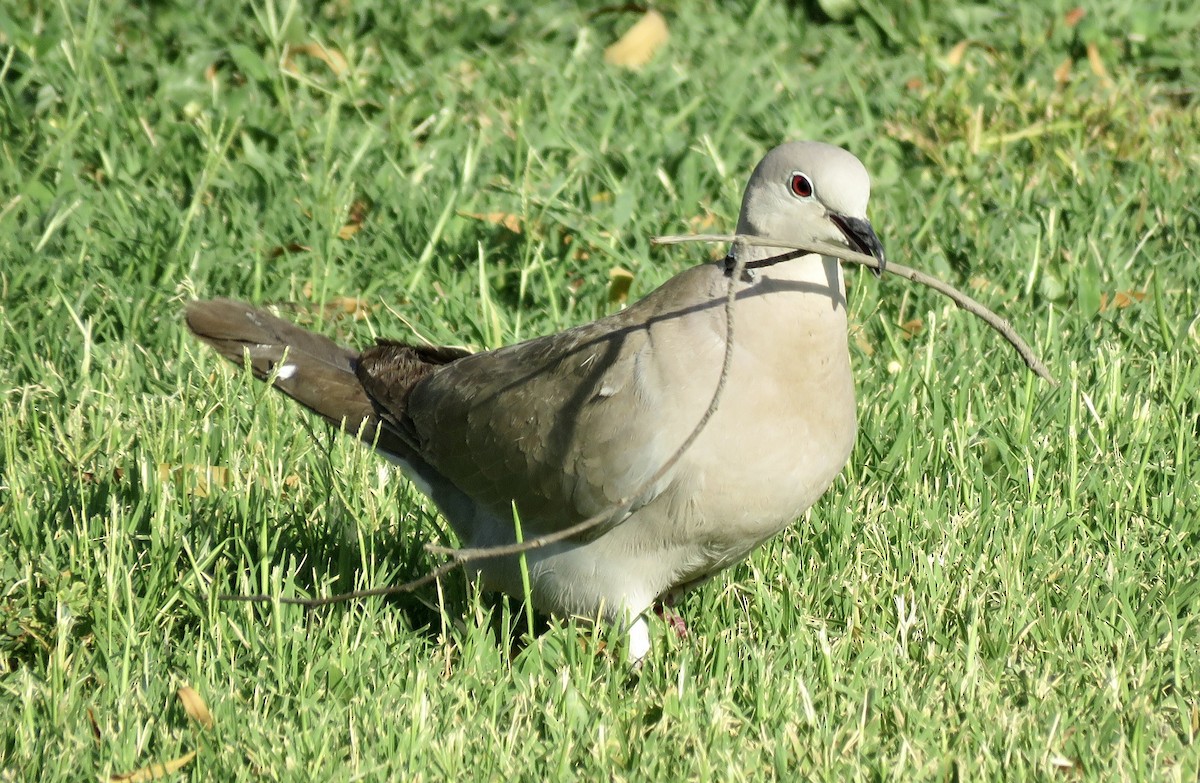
(308,367)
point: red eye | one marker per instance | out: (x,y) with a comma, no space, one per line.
(801,185)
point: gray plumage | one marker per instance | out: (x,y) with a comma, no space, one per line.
(568,424)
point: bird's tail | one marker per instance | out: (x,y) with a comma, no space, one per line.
(308,367)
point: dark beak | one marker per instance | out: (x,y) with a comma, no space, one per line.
(861,236)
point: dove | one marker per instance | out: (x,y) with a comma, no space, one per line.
(567,425)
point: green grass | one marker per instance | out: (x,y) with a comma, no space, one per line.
(1005,582)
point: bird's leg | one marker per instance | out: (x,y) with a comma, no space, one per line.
(665,610)
(639,641)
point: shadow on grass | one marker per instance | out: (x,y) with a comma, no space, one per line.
(323,559)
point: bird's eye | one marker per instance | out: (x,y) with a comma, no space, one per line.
(801,185)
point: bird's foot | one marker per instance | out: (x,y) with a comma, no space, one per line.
(673,619)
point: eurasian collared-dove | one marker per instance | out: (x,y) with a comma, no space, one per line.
(568,424)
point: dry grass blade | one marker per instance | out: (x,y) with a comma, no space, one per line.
(331,57)
(155,771)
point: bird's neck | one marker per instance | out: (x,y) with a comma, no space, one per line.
(808,273)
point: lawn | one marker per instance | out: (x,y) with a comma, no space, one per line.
(1003,583)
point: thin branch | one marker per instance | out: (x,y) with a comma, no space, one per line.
(958,297)
(460,557)
(353,595)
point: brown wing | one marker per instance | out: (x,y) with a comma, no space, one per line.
(565,425)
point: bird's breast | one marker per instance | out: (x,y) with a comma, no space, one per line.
(783,429)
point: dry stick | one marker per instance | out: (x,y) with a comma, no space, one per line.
(407,587)
(959,298)
(465,555)
(962,300)
(461,556)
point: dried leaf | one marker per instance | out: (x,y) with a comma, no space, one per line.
(1097,64)
(509,221)
(619,281)
(91,716)
(585,643)
(700,224)
(860,339)
(1074,16)
(354,220)
(1062,74)
(194,706)
(331,57)
(580,253)
(155,771)
(359,210)
(333,309)
(640,42)
(89,476)
(912,328)
(291,247)
(198,480)
(341,306)
(984,285)
(1120,300)
(954,56)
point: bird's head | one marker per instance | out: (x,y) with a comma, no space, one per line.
(806,190)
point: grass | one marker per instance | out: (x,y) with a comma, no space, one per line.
(1004,583)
